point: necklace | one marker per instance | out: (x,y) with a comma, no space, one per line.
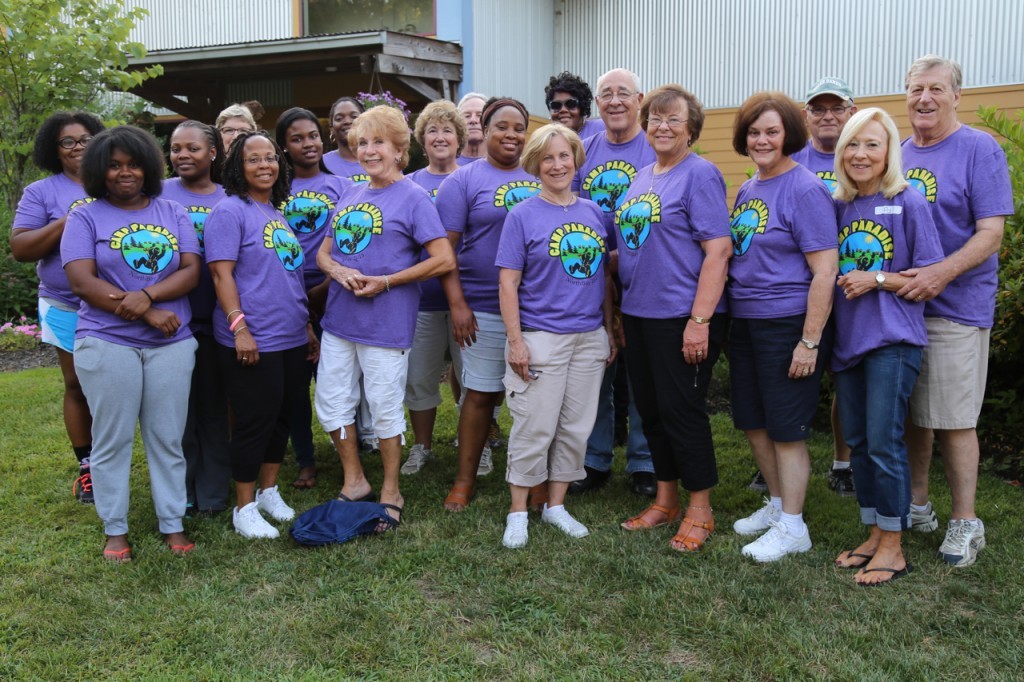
(564,207)
(856,204)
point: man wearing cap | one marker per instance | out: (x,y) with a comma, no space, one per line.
(963,174)
(829,106)
(612,161)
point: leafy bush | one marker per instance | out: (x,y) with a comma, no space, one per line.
(1002,421)
(18,281)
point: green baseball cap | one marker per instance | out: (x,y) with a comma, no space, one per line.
(830,85)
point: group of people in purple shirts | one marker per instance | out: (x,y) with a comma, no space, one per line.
(202,306)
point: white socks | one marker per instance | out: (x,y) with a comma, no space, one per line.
(793,523)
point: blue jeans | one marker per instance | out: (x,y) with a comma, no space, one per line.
(602,438)
(873,399)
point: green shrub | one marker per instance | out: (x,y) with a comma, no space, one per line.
(18,281)
(1002,421)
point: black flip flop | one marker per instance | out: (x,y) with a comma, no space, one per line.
(896,574)
(850,554)
(368,497)
(400,510)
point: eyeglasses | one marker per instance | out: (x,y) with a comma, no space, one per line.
(554,105)
(234,131)
(71,143)
(654,122)
(837,110)
(257,160)
(607,95)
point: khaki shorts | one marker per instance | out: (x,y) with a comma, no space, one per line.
(951,388)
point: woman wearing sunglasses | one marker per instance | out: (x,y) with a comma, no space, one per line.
(568,98)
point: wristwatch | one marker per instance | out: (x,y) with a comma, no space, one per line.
(880,279)
(700,320)
(810,344)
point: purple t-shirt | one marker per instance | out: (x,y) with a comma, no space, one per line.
(380,232)
(820,163)
(888,235)
(344,168)
(661,225)
(432,298)
(132,250)
(965,178)
(608,172)
(308,210)
(774,224)
(475,200)
(42,203)
(268,273)
(591,127)
(561,254)
(466,160)
(203,298)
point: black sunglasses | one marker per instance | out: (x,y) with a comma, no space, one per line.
(555,105)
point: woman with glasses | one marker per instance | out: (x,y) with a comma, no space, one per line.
(132,258)
(261,324)
(35,236)
(568,98)
(781,281)
(673,243)
(233,121)
(373,257)
(342,161)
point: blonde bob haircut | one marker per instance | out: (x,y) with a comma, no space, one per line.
(893,181)
(442,112)
(236,111)
(538,144)
(385,122)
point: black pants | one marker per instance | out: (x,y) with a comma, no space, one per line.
(670,396)
(262,397)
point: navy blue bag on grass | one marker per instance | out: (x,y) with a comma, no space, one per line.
(336,522)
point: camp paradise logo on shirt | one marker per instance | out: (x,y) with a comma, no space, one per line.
(580,249)
(636,217)
(747,219)
(280,238)
(80,202)
(512,193)
(198,216)
(829,178)
(608,184)
(864,245)
(360,178)
(307,211)
(924,181)
(146,249)
(355,226)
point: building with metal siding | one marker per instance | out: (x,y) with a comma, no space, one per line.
(176,24)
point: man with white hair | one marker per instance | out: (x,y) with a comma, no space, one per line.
(471,106)
(963,174)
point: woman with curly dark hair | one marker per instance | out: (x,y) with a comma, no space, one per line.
(261,326)
(36,233)
(568,98)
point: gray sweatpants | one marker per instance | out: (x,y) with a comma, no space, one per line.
(125,385)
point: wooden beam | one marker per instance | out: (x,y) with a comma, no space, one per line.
(418,85)
(415,47)
(402,66)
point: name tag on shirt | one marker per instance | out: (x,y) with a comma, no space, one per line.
(888,210)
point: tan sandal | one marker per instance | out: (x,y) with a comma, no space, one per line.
(640,523)
(460,494)
(686,537)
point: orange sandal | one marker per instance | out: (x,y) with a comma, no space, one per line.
(640,523)
(118,556)
(686,537)
(538,497)
(460,494)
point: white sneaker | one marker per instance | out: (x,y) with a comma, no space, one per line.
(418,456)
(964,539)
(486,464)
(516,533)
(776,543)
(924,521)
(250,524)
(269,500)
(563,520)
(759,521)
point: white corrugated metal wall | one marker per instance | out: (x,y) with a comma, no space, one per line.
(725,49)
(175,24)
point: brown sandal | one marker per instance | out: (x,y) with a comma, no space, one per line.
(686,537)
(640,523)
(306,479)
(538,497)
(460,494)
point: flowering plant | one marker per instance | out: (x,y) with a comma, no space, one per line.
(376,99)
(23,335)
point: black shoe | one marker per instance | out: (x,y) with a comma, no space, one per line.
(595,479)
(645,484)
(758,483)
(83,486)
(840,481)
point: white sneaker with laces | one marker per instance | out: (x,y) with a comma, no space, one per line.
(516,533)
(486,464)
(964,539)
(924,521)
(250,524)
(777,543)
(759,521)
(269,500)
(564,521)
(418,456)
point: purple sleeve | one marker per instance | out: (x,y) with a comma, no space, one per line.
(995,195)
(709,213)
(425,220)
(921,234)
(223,234)
(814,220)
(31,212)
(451,202)
(512,247)
(79,240)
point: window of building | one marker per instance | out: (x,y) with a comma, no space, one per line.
(345,16)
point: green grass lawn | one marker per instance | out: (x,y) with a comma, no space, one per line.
(441,599)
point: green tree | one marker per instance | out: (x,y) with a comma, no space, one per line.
(58,55)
